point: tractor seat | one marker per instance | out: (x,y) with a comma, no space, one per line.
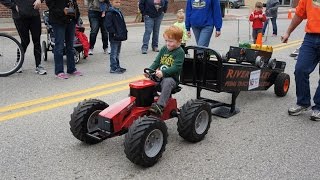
(177,89)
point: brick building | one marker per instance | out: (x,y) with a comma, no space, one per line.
(129,7)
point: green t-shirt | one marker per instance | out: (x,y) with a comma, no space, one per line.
(169,62)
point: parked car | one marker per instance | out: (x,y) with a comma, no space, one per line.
(235,4)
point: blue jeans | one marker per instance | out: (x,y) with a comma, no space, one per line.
(203,35)
(114,55)
(151,25)
(96,22)
(64,34)
(308,59)
(274,26)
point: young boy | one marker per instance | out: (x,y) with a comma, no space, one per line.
(168,65)
(117,32)
(257,18)
(181,24)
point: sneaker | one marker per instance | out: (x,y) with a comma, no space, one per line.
(105,51)
(109,50)
(156,109)
(155,49)
(62,76)
(90,52)
(144,51)
(40,70)
(274,35)
(315,115)
(123,69)
(296,110)
(76,73)
(117,71)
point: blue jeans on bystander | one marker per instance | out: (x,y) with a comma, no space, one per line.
(203,35)
(308,59)
(64,34)
(114,55)
(152,25)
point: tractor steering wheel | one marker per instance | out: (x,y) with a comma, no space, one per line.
(151,74)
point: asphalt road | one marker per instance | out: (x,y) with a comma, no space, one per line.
(261,142)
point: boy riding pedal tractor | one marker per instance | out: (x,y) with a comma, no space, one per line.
(168,65)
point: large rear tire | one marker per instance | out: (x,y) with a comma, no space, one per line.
(282,84)
(146,141)
(194,121)
(84,119)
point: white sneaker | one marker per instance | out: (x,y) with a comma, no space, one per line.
(40,70)
(90,52)
(109,50)
(105,51)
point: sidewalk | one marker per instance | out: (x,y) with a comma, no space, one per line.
(7,25)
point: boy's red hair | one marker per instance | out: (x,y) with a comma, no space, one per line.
(174,32)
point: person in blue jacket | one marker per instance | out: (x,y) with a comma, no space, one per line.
(203,16)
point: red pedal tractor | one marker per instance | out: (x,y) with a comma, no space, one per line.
(93,121)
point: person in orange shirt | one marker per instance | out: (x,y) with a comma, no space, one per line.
(308,58)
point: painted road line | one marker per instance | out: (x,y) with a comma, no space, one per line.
(65,95)
(286,44)
(59,104)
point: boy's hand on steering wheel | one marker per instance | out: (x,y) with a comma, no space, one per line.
(146,75)
(159,73)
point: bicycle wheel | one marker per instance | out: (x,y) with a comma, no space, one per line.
(11,55)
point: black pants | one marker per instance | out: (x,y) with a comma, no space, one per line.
(255,33)
(96,23)
(32,24)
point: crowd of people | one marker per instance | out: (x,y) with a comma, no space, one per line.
(203,17)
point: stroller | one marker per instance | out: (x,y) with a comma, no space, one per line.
(49,44)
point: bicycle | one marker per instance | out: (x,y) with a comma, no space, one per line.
(11,55)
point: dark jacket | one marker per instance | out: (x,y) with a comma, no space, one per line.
(56,13)
(25,8)
(116,25)
(147,7)
(272,8)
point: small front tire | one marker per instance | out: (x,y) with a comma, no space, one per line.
(146,141)
(83,119)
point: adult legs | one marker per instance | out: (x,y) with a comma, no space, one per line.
(69,38)
(148,27)
(156,28)
(274,25)
(23,31)
(205,36)
(104,32)
(308,59)
(35,28)
(59,34)
(94,26)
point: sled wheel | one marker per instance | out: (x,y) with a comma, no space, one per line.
(44,51)
(272,63)
(146,141)
(281,84)
(76,56)
(84,119)
(259,62)
(194,121)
